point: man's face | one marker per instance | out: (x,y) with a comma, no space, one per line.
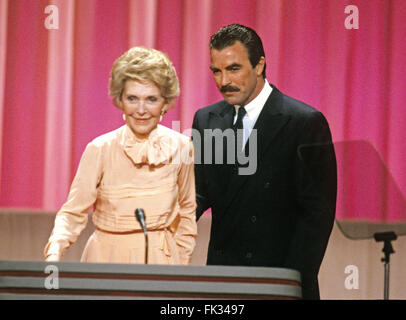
(237,80)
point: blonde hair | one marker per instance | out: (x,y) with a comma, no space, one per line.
(144,64)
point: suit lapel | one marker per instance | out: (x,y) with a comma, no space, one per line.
(222,118)
(269,123)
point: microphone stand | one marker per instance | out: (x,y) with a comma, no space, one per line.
(140,215)
(386,238)
(146,246)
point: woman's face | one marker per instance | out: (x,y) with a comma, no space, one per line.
(142,104)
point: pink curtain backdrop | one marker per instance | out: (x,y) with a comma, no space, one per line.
(54,83)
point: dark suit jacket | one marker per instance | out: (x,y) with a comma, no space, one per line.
(282,215)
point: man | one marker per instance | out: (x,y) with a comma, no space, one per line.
(280,214)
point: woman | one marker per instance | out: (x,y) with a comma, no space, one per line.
(139,165)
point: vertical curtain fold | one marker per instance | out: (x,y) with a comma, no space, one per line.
(142,23)
(58,113)
(194,58)
(3,44)
(23,105)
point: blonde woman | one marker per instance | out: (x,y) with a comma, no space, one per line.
(139,165)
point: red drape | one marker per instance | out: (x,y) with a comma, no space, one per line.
(53,82)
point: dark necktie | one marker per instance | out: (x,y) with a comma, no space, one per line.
(239,138)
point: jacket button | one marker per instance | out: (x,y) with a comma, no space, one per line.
(219,252)
(267,185)
(253,219)
(248,255)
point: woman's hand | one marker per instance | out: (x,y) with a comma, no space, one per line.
(52,257)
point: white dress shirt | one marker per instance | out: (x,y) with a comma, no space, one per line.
(253,109)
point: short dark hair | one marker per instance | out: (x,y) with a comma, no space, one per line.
(232,33)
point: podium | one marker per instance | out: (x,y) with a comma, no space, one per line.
(70,280)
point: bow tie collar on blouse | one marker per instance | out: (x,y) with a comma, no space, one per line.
(157,149)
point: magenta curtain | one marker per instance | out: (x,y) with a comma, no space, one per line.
(54,82)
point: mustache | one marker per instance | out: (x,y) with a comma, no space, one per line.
(229,89)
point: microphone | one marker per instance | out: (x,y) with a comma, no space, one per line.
(140,215)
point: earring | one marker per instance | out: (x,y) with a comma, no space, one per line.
(161,116)
(124,117)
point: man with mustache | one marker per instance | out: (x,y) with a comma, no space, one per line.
(282,213)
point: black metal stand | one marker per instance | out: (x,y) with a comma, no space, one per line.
(386,237)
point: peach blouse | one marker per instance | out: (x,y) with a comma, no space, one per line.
(119,173)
